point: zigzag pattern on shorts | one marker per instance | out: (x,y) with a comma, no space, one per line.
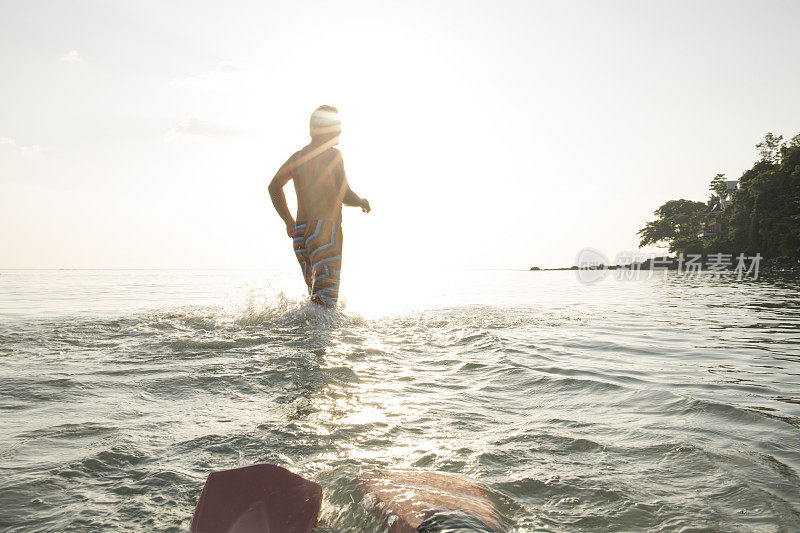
(318,247)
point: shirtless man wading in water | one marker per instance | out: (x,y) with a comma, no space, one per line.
(321,187)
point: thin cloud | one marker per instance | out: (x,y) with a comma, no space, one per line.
(195,127)
(230,67)
(224,70)
(27,151)
(71,57)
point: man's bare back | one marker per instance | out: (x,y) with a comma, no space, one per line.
(320,184)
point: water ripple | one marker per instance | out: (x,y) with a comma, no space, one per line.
(659,405)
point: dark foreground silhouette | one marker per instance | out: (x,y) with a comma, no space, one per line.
(269,498)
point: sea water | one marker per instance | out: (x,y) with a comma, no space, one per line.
(651,404)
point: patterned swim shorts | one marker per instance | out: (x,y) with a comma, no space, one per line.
(318,247)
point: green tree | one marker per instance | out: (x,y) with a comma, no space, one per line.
(719,186)
(764,215)
(770,147)
(678,223)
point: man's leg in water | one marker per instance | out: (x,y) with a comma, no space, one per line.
(301,252)
(323,242)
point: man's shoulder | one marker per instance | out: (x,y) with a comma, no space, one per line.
(299,156)
(329,150)
(311,151)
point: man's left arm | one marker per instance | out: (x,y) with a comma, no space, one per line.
(350,198)
(353,200)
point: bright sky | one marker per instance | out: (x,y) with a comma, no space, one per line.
(485,134)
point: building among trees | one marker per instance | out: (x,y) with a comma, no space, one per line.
(720,199)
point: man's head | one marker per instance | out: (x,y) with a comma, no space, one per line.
(325,124)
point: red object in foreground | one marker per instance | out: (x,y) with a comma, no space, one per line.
(260,498)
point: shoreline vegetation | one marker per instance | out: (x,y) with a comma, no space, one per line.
(757,215)
(766,264)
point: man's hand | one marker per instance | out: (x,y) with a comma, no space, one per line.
(365,205)
(290,228)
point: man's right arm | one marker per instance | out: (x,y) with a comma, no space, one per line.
(275,188)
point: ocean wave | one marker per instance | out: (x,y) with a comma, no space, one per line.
(610,415)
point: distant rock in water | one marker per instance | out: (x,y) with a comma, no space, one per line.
(535,268)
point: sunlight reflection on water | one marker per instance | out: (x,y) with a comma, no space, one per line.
(628,405)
